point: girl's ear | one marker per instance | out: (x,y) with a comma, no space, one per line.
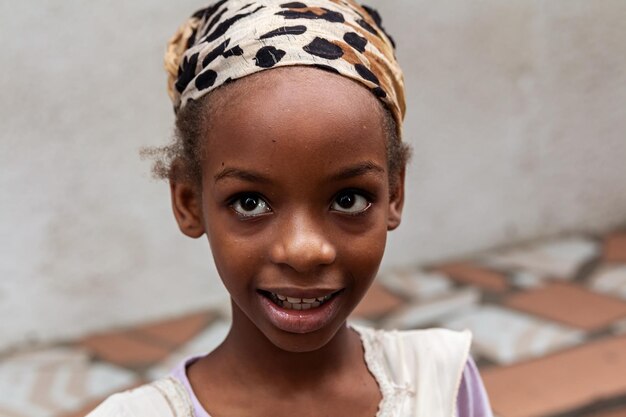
(187,208)
(396,202)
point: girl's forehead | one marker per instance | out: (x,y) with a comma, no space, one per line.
(305,116)
(297,93)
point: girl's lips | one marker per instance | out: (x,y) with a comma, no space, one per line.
(300,321)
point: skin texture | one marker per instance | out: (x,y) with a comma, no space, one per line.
(297,141)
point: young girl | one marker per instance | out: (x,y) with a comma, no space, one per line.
(295,175)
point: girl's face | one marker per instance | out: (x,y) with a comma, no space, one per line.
(295,201)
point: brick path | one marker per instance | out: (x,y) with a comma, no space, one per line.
(549,325)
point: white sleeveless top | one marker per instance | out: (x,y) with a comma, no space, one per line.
(418,372)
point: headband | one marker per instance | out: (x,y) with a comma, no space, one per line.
(231,39)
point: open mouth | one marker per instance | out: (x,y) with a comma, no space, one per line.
(294,303)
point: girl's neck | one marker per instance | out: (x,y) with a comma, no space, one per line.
(250,353)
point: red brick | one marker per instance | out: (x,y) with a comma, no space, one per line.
(468,273)
(377,302)
(559,383)
(125,349)
(178,331)
(570,304)
(615,247)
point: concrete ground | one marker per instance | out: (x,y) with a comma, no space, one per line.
(548,318)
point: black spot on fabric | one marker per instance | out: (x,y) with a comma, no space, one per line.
(214,21)
(326,68)
(268,56)
(186,72)
(206,80)
(324,49)
(246,6)
(328,15)
(374,13)
(207,12)
(379,92)
(217,51)
(379,21)
(228,80)
(294,5)
(331,16)
(367,26)
(226,24)
(199,13)
(234,51)
(366,73)
(355,41)
(285,30)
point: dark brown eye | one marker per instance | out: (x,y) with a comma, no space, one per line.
(250,205)
(346,201)
(350,202)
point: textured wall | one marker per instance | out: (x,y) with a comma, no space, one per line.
(517,112)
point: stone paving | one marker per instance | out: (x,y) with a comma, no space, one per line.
(549,325)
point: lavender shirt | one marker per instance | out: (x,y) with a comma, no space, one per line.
(471,401)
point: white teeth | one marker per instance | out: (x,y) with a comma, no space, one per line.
(294,303)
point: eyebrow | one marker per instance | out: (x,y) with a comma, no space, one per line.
(249,176)
(357,170)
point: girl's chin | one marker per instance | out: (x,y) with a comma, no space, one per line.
(303,343)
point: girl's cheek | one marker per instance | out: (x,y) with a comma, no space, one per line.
(366,250)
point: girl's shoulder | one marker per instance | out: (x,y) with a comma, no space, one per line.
(165,397)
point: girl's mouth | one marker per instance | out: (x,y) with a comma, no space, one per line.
(299,315)
(294,303)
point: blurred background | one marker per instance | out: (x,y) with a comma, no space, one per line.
(514,222)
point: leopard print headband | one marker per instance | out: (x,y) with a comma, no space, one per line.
(234,38)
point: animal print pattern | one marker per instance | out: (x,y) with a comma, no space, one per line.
(231,39)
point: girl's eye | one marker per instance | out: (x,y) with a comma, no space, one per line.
(350,202)
(250,205)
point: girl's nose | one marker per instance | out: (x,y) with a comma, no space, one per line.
(302,244)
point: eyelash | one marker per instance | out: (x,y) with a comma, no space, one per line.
(262,202)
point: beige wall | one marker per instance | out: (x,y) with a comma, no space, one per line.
(517,112)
